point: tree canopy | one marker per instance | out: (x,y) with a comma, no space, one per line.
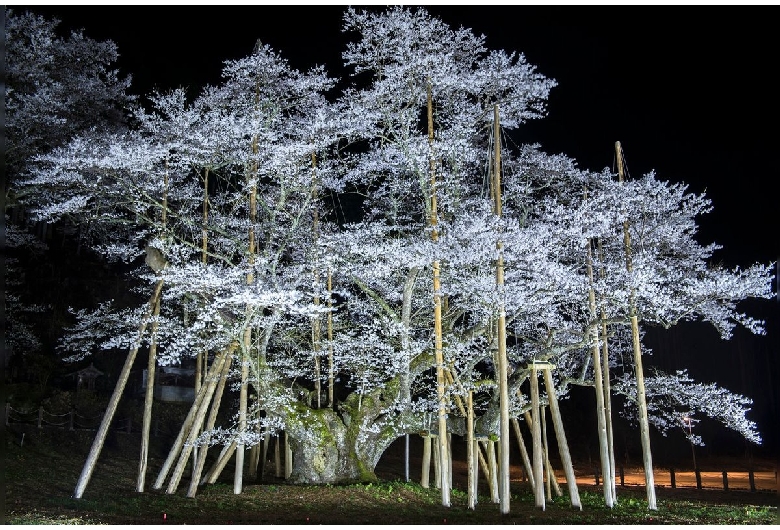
(240,193)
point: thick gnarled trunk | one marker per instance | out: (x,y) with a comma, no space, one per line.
(332,447)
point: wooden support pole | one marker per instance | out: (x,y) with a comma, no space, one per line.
(537,441)
(201,457)
(553,481)
(523,452)
(503,386)
(187,425)
(641,398)
(437,317)
(563,444)
(547,467)
(471,463)
(482,448)
(146,426)
(219,464)
(100,437)
(278,457)
(288,457)
(426,462)
(218,369)
(493,476)
(437,465)
(266,443)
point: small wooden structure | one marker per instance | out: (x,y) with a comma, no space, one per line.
(85,378)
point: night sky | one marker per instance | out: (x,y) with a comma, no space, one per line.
(688,91)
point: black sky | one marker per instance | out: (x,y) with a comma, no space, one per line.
(689,91)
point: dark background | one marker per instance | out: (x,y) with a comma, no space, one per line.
(688,91)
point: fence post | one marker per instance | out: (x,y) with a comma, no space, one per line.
(752,480)
(596,474)
(725,481)
(129,424)
(698,478)
(72,419)
(7,413)
(622,476)
(671,474)
(40,417)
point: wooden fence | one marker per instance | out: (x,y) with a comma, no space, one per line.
(725,479)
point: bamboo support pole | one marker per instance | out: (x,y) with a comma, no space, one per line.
(493,475)
(219,464)
(503,388)
(201,457)
(186,426)
(563,444)
(146,426)
(537,441)
(601,418)
(482,458)
(218,370)
(547,467)
(605,376)
(470,457)
(278,457)
(238,477)
(523,452)
(437,317)
(264,458)
(288,457)
(437,464)
(100,437)
(644,426)
(426,463)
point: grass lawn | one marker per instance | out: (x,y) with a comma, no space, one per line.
(41,474)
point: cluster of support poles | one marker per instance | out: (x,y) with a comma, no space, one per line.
(211,383)
(482,451)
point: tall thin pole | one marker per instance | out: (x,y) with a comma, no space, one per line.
(598,381)
(644,426)
(316,326)
(503,464)
(536,436)
(437,324)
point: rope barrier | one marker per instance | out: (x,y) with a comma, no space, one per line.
(32,417)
